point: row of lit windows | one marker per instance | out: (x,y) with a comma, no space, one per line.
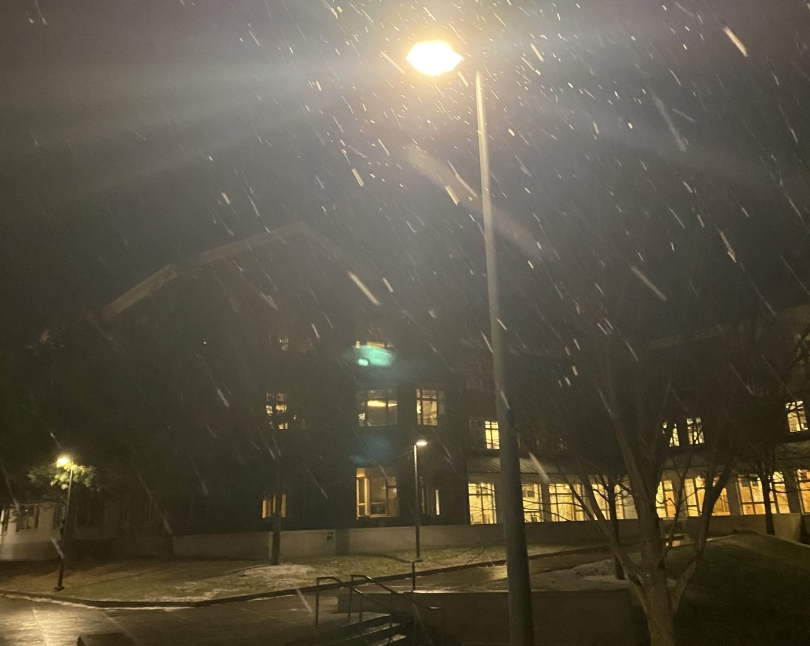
(378,407)
(693,432)
(375,407)
(564,504)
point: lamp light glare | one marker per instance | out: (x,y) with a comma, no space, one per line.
(433,57)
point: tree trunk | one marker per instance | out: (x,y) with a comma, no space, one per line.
(766,498)
(658,608)
(275,549)
(614,523)
(278,499)
(651,586)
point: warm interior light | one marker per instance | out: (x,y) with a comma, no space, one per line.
(433,58)
(63,461)
(421,443)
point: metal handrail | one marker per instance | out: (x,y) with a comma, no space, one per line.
(352,585)
(354,578)
(368,579)
(318,593)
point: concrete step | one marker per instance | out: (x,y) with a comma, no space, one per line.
(105,639)
(335,635)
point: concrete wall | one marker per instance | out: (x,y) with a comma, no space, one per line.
(31,544)
(483,617)
(384,540)
(787,526)
(378,540)
(249,546)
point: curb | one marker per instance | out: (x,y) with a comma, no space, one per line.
(268,594)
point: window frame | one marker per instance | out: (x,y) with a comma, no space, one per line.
(803,487)
(532,509)
(665,503)
(276,405)
(561,495)
(779,499)
(269,505)
(424,418)
(483,503)
(797,411)
(390,404)
(364,481)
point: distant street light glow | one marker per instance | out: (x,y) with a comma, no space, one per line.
(63,461)
(421,442)
(433,58)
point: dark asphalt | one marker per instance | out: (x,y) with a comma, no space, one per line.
(267,621)
(249,623)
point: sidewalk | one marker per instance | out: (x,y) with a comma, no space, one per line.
(246,623)
(199,583)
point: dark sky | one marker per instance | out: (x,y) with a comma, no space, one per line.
(136,133)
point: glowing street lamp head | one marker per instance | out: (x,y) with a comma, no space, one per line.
(63,461)
(421,443)
(433,58)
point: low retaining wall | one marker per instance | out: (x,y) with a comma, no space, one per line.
(787,526)
(384,540)
(586,617)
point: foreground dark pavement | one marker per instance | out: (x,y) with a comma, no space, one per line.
(265,621)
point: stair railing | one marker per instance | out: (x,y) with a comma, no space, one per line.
(318,594)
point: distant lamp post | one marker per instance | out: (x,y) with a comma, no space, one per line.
(417,510)
(435,58)
(64,462)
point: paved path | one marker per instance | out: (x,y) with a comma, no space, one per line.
(262,622)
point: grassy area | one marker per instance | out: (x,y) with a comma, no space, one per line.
(748,589)
(148,579)
(747,568)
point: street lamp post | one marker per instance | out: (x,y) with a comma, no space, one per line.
(417,515)
(435,58)
(63,462)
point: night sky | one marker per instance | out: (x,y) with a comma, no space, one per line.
(137,133)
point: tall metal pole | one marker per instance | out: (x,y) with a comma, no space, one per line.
(59,586)
(521,626)
(417,501)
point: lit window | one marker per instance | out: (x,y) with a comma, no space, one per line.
(482,503)
(563,505)
(532,503)
(374,344)
(600,492)
(803,477)
(377,407)
(797,416)
(674,440)
(276,408)
(694,430)
(484,433)
(665,500)
(694,490)
(752,499)
(377,493)
(429,407)
(269,505)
